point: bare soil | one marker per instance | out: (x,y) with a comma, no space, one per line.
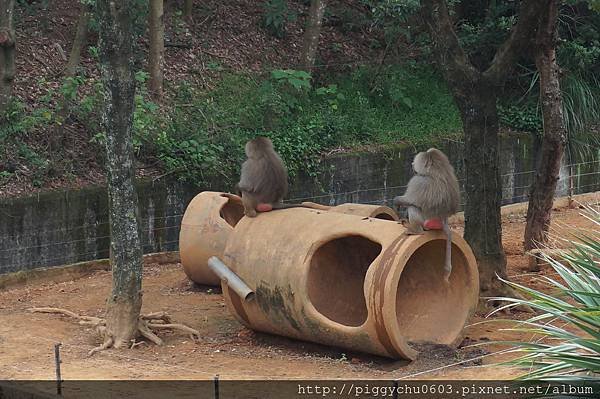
(226,347)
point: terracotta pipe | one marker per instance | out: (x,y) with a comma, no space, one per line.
(211,217)
(356,283)
(206,225)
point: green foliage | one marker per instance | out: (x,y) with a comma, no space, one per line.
(196,160)
(581,103)
(581,106)
(525,117)
(94,52)
(394,18)
(567,326)
(20,153)
(70,87)
(331,95)
(299,80)
(31,157)
(5,176)
(201,138)
(392,87)
(579,49)
(282,94)
(484,27)
(16,121)
(276,16)
(578,56)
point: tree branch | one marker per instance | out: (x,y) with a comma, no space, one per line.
(452,58)
(520,39)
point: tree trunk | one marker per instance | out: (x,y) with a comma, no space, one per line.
(311,34)
(483,187)
(71,70)
(474,88)
(555,134)
(116,50)
(188,9)
(78,42)
(7,53)
(156,29)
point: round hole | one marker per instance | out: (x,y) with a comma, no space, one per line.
(336,278)
(233,211)
(427,308)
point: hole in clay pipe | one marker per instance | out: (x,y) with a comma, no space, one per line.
(427,308)
(233,211)
(384,216)
(336,278)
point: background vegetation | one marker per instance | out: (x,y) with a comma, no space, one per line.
(389,94)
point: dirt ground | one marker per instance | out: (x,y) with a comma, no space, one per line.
(226,347)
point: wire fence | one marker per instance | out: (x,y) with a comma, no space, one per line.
(51,243)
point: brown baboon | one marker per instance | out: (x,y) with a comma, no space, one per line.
(432,193)
(264,177)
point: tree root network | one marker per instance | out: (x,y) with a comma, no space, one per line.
(148,324)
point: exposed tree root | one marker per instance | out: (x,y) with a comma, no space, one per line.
(144,330)
(194,334)
(146,324)
(107,344)
(87,320)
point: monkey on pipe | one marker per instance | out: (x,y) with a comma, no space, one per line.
(264,179)
(432,193)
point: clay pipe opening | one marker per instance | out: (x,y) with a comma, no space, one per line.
(231,279)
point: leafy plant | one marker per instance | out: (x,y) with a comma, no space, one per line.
(5,176)
(393,17)
(299,80)
(526,117)
(568,323)
(581,103)
(331,95)
(282,94)
(276,16)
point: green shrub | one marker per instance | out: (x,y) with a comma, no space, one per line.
(199,136)
(276,16)
(526,117)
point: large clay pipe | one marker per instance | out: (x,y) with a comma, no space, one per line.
(211,217)
(357,283)
(206,225)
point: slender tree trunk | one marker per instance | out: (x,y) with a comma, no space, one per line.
(483,187)
(116,49)
(188,10)
(156,57)
(310,43)
(71,70)
(7,53)
(555,134)
(78,42)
